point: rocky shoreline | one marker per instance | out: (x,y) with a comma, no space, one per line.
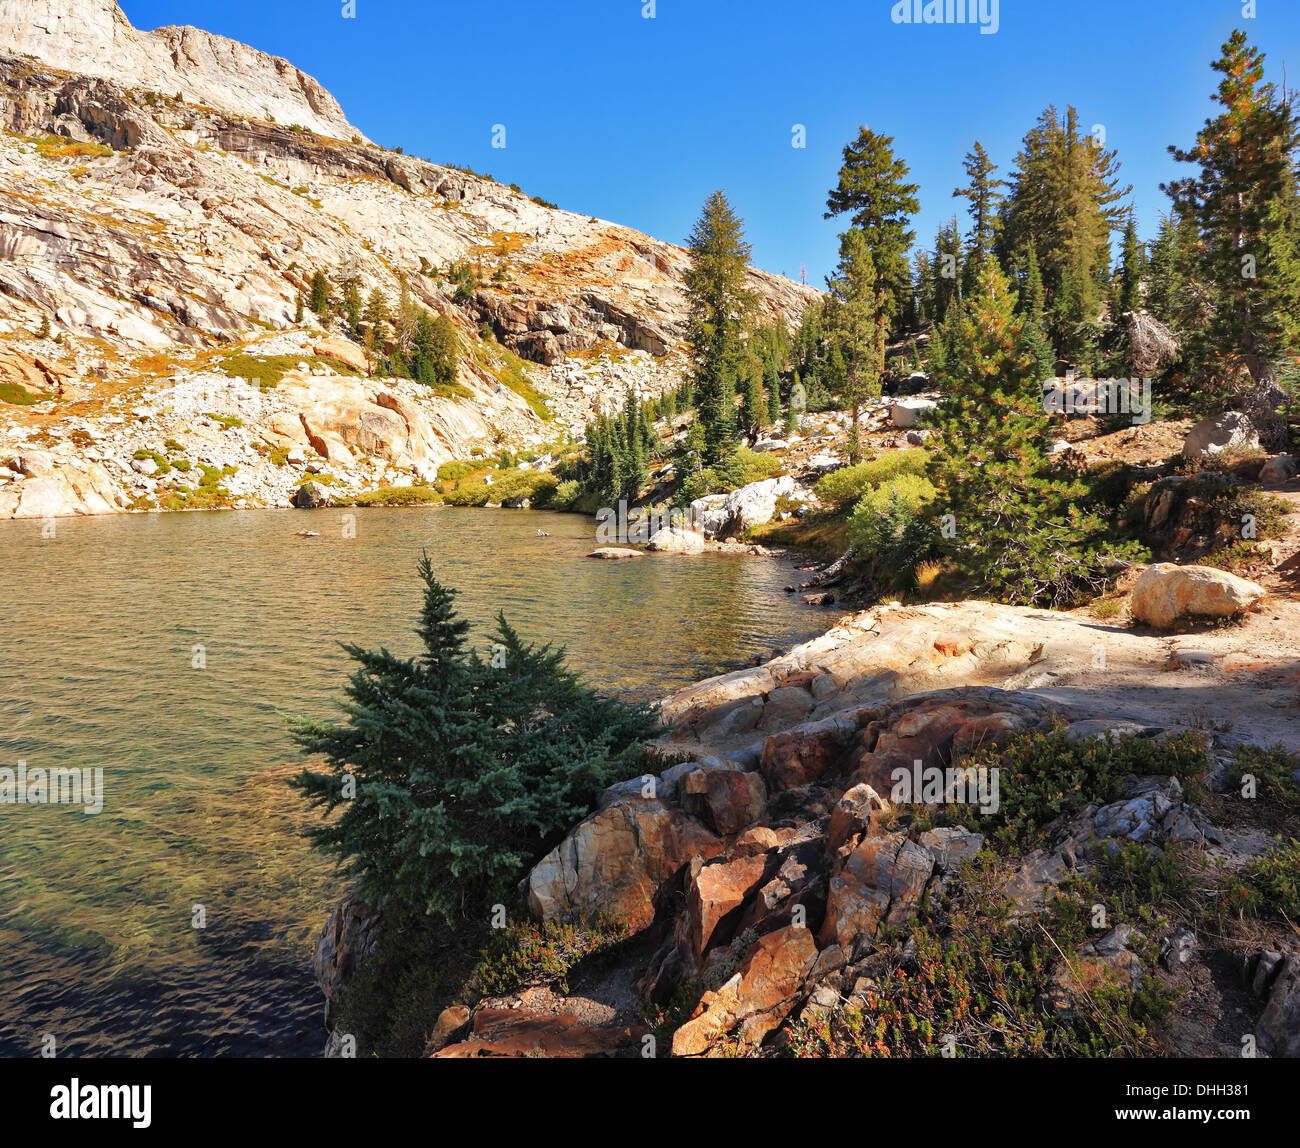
(769,874)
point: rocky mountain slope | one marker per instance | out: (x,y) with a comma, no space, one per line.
(166,242)
(94,38)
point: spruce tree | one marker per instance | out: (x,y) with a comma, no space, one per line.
(1064,201)
(1247,174)
(719,306)
(1022,533)
(861,327)
(320,293)
(453,773)
(947,268)
(984,197)
(753,408)
(873,190)
(922,276)
(773,394)
(1034,342)
(1129,297)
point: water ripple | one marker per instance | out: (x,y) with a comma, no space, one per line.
(98,629)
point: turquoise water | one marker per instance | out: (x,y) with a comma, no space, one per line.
(98,630)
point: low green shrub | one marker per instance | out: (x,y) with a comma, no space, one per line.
(398,496)
(512,375)
(1274,772)
(755,466)
(535,485)
(528,954)
(455,471)
(887,533)
(476,493)
(160,461)
(1044,775)
(975,983)
(846,486)
(18,396)
(565,495)
(1276,878)
(869,526)
(268,370)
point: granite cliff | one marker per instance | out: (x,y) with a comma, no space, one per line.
(166,197)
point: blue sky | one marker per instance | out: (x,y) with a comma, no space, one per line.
(637,120)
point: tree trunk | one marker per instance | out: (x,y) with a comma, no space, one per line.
(1262,404)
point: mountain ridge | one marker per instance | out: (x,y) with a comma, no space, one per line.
(96,38)
(148,241)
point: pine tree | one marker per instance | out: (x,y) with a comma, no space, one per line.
(686,396)
(922,277)
(688,465)
(1064,201)
(435,350)
(947,268)
(798,404)
(1072,316)
(376,317)
(298,308)
(1129,297)
(1172,295)
(984,198)
(874,191)
(320,293)
(719,307)
(1247,161)
(1032,300)
(943,344)
(635,447)
(753,408)
(599,475)
(773,394)
(405,318)
(464,770)
(834,378)
(1034,343)
(352,305)
(861,327)
(1022,534)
